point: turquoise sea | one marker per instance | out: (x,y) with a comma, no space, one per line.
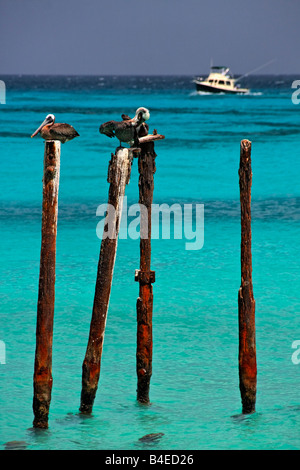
(195,399)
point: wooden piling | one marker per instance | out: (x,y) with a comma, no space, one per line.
(246,302)
(118,177)
(145,277)
(45,308)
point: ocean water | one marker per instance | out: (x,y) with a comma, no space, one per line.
(195,399)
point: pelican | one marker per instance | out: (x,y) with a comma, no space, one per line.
(127,129)
(51,131)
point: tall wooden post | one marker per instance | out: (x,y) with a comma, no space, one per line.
(46,296)
(246,302)
(118,177)
(144,275)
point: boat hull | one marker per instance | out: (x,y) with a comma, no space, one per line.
(213,89)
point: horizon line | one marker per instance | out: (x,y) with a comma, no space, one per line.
(130,75)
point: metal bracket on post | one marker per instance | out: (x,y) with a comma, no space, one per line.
(144,277)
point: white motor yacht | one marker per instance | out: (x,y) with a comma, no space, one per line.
(219,80)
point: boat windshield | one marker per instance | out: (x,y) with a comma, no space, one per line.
(220,69)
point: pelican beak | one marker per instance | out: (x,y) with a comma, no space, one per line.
(46,121)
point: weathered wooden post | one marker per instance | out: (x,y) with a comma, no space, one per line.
(118,177)
(246,302)
(46,295)
(144,275)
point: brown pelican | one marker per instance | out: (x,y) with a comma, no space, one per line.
(51,131)
(127,129)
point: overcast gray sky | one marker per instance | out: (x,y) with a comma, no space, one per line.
(143,37)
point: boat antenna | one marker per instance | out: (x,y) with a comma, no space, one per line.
(255,70)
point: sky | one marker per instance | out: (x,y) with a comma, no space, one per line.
(153,37)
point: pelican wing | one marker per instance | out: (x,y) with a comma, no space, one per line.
(63,130)
(108,128)
(124,130)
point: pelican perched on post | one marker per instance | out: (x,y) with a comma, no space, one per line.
(60,131)
(126,130)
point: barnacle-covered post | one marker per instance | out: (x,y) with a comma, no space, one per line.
(46,295)
(246,302)
(118,177)
(145,276)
